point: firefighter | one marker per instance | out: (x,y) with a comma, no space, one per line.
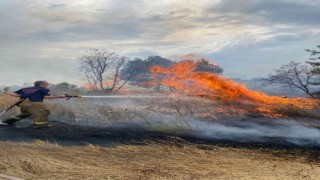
(33,105)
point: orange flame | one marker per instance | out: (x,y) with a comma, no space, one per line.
(183,78)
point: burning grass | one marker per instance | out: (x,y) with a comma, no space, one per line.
(183,78)
(166,160)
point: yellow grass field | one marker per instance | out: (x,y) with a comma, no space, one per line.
(42,160)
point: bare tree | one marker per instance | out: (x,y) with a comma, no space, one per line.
(118,66)
(103,69)
(94,65)
(294,75)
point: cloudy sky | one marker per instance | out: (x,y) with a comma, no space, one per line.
(41,39)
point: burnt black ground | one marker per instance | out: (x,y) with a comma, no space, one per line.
(72,135)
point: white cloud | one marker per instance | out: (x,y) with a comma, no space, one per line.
(46,31)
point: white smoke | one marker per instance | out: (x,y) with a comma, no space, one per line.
(131,114)
(259,131)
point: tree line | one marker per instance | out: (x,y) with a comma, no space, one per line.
(109,72)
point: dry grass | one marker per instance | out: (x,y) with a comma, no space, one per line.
(41,160)
(294,111)
(6,101)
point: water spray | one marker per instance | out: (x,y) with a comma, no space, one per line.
(109,96)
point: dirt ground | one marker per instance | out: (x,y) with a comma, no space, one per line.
(155,160)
